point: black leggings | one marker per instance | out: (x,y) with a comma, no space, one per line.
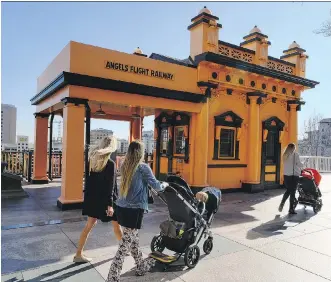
(291,183)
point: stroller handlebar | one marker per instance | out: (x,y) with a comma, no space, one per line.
(203,208)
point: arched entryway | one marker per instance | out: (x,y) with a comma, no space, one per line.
(272,133)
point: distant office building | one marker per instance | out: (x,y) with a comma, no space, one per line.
(317,142)
(22,143)
(11,148)
(8,124)
(122,146)
(56,145)
(148,139)
(99,133)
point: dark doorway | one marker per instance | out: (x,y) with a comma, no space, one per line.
(271,152)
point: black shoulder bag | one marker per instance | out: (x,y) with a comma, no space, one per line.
(150,196)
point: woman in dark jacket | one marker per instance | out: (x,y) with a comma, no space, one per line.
(100,193)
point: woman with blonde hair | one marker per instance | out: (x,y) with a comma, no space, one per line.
(131,204)
(100,193)
(292,171)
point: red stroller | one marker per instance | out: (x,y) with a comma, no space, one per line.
(309,192)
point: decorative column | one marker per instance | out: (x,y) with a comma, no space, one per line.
(293,107)
(156,150)
(73,154)
(200,156)
(136,129)
(131,131)
(253,177)
(40,149)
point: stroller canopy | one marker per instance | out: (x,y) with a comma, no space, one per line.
(311,173)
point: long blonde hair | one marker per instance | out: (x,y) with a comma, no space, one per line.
(290,149)
(99,154)
(133,158)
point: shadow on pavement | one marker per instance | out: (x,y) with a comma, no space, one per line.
(66,275)
(278,225)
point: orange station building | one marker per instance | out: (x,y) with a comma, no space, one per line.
(222,116)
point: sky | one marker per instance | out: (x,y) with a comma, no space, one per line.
(33,33)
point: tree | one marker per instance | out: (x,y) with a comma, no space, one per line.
(325,29)
(311,141)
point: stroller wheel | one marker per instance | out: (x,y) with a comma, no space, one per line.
(192,256)
(208,246)
(318,206)
(157,244)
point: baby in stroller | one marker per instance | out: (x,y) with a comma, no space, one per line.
(211,197)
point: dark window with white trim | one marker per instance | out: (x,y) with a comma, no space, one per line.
(227,136)
(179,140)
(164,141)
(227,143)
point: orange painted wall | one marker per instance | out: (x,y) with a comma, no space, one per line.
(181,167)
(227,177)
(90,60)
(163,165)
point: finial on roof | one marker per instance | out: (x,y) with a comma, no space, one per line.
(205,10)
(255,29)
(138,51)
(294,45)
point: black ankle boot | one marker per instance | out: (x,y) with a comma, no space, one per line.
(280,208)
(292,211)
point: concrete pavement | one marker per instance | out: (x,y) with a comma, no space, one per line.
(252,241)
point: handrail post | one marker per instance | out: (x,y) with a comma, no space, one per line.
(50,147)
(30,166)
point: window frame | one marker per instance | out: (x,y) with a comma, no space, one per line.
(185,130)
(162,153)
(268,160)
(227,120)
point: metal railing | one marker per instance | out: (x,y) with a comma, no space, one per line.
(14,161)
(322,164)
(21,163)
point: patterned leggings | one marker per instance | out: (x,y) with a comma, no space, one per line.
(129,242)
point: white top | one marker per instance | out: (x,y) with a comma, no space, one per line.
(293,165)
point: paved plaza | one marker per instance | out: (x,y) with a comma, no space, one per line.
(252,241)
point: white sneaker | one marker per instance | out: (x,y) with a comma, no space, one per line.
(82,259)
